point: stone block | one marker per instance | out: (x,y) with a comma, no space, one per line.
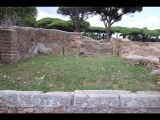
(75,51)
(95,98)
(54,99)
(138,99)
(57,51)
(28,110)
(67,51)
(3,111)
(21,112)
(11,111)
(20,98)
(149,99)
(71,51)
(127,98)
(155,72)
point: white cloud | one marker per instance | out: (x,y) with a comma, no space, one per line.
(42,14)
(152,20)
(137,23)
(95,21)
(148,8)
(124,16)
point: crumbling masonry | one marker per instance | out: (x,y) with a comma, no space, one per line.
(18,43)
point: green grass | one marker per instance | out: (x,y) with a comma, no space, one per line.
(59,73)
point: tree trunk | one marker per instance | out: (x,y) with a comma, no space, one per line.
(111,35)
(103,36)
(107,26)
(76,27)
(157,38)
(108,32)
(142,37)
(92,35)
(108,35)
(149,38)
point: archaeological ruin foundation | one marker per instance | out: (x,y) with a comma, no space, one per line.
(18,43)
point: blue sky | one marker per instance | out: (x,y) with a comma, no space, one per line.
(149,17)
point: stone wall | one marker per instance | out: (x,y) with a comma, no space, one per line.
(8,46)
(124,47)
(90,47)
(145,54)
(18,43)
(79,101)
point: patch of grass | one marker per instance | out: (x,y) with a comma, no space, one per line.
(61,73)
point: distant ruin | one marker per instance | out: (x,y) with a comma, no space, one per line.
(18,43)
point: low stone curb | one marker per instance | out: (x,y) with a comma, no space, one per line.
(79,101)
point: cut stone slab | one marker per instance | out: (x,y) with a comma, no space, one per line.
(132,59)
(139,99)
(155,72)
(54,99)
(20,98)
(150,62)
(82,101)
(96,98)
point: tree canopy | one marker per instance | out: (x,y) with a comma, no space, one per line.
(76,14)
(56,23)
(19,16)
(110,15)
(44,22)
(134,34)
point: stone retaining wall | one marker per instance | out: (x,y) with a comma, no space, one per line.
(79,101)
(18,43)
(148,62)
(124,47)
(90,47)
(8,46)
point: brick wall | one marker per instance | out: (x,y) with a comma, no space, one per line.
(8,46)
(18,43)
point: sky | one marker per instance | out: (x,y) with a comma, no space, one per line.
(149,17)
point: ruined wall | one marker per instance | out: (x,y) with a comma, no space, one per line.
(25,42)
(145,54)
(8,46)
(146,48)
(90,47)
(124,47)
(18,43)
(79,101)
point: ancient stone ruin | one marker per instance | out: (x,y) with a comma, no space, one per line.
(79,101)
(18,43)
